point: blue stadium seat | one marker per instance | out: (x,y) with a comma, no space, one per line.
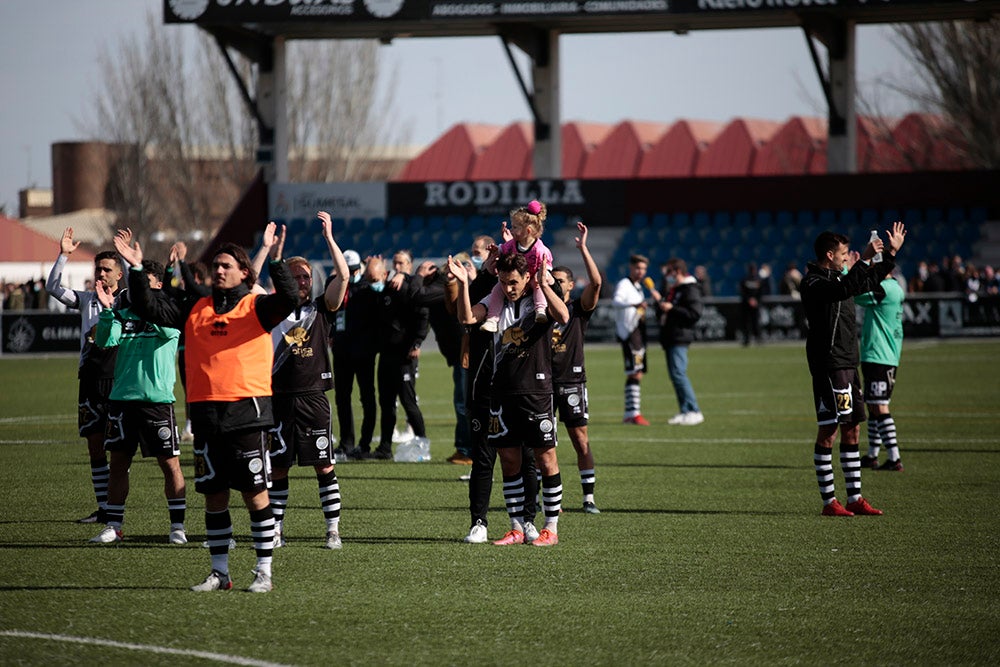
(804,218)
(415,224)
(763,219)
(355,225)
(978,215)
(827,218)
(956,214)
(639,220)
(660,220)
(722,219)
(435,223)
(701,220)
(933,216)
(913,217)
(454,223)
(742,219)
(870,218)
(889,216)
(849,218)
(681,219)
(397,223)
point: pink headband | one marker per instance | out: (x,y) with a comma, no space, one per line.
(534,207)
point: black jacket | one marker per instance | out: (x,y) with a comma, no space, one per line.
(828,301)
(677,326)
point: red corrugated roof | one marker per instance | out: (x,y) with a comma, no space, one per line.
(508,157)
(678,151)
(799,147)
(579,140)
(620,154)
(23,244)
(733,151)
(452,156)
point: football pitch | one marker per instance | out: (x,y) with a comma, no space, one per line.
(709,547)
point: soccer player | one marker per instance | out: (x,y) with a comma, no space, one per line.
(97,365)
(569,377)
(521,410)
(141,414)
(629,302)
(300,377)
(832,352)
(881,347)
(229,357)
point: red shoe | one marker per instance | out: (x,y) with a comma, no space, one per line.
(836,509)
(862,508)
(638,420)
(512,537)
(546,538)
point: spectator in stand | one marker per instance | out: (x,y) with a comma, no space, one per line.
(935,281)
(990,281)
(919,280)
(766,280)
(972,284)
(790,282)
(751,290)
(704,280)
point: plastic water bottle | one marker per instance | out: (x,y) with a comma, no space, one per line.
(874,237)
(416,450)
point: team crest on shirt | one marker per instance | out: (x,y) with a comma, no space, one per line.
(513,336)
(297,339)
(558,345)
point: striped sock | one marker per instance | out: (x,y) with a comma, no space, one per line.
(552,500)
(114,515)
(329,498)
(887,429)
(99,474)
(850,463)
(513,495)
(633,397)
(177,507)
(278,494)
(219,529)
(823,460)
(874,438)
(262,532)
(587,479)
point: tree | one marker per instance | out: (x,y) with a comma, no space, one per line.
(183,139)
(958,65)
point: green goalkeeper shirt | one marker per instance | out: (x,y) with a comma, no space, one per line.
(882,332)
(147,353)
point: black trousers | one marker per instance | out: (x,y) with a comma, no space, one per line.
(397,378)
(348,365)
(484,457)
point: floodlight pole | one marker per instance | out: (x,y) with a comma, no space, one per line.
(542,46)
(839,88)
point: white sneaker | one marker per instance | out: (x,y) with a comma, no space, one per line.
(530,532)
(333,540)
(178,536)
(677,419)
(107,536)
(489,325)
(693,419)
(261,583)
(477,534)
(215,581)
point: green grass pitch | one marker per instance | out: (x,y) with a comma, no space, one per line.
(709,549)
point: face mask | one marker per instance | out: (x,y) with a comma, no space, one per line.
(843,269)
(379,286)
(477,262)
(671,280)
(356,278)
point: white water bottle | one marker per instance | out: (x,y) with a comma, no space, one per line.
(874,237)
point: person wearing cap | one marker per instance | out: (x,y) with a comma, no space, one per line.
(353,357)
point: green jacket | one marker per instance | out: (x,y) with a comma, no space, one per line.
(146,366)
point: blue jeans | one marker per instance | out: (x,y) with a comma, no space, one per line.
(677,365)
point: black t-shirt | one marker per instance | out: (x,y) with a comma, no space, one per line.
(567,346)
(301,359)
(522,359)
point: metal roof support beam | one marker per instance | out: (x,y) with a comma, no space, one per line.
(542,46)
(839,88)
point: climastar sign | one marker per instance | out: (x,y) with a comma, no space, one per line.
(756,4)
(504,193)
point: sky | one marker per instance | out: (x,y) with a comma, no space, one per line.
(49,75)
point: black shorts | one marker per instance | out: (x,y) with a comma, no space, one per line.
(522,419)
(149,426)
(837,397)
(236,460)
(302,432)
(879,381)
(634,352)
(571,402)
(93,405)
